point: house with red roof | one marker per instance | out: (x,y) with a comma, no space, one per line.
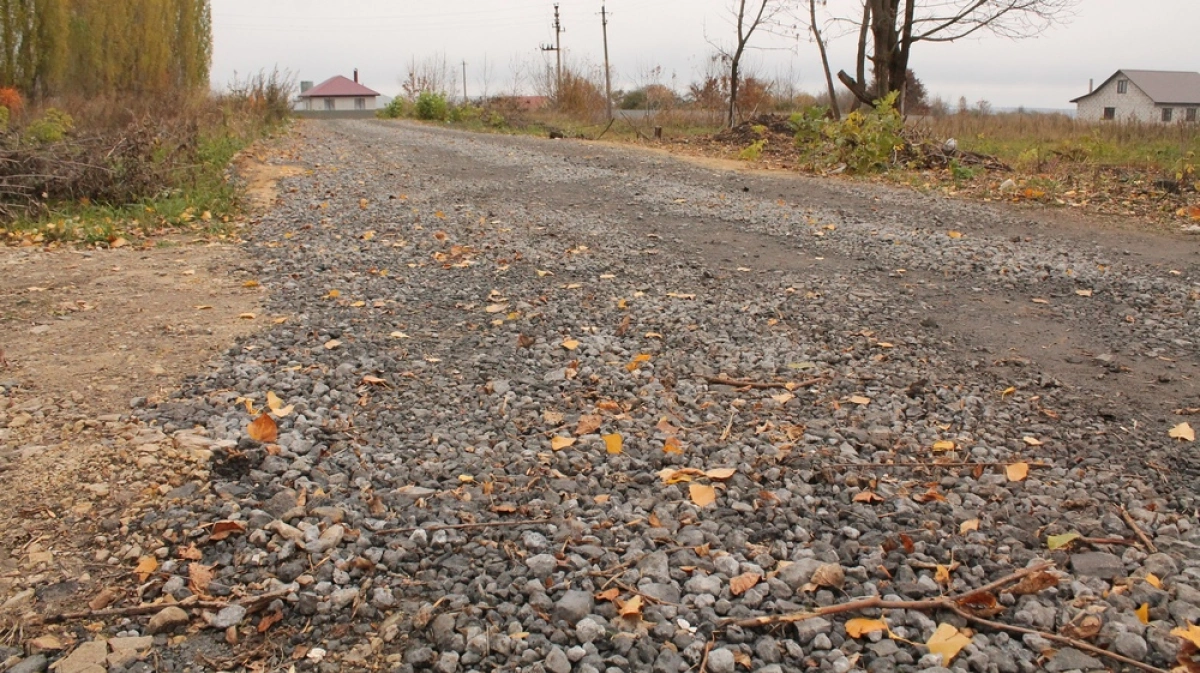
(337,94)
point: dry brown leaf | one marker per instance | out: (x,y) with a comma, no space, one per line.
(664,426)
(199,577)
(1017,471)
(268,620)
(1032,584)
(638,361)
(332,344)
(947,641)
(829,575)
(263,429)
(223,529)
(552,417)
(868,497)
(1190,634)
(944,445)
(146,567)
(743,583)
(373,380)
(609,595)
(858,399)
(968,526)
(588,423)
(783,398)
(742,659)
(630,608)
(190,553)
(570,344)
(721,473)
(859,627)
(1032,441)
(702,494)
(103,599)
(1085,625)
(614,443)
(558,443)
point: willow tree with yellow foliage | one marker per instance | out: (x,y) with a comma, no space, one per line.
(96,47)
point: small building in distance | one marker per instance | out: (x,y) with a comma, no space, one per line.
(337,94)
(1158,96)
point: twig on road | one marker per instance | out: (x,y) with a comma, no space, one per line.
(1138,531)
(465,526)
(735,383)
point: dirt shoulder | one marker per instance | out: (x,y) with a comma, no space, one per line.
(89,335)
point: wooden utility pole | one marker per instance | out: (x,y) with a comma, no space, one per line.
(607,69)
(465,99)
(557,49)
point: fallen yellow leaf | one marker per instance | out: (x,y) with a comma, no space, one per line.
(570,344)
(1191,633)
(859,399)
(1153,580)
(1059,541)
(944,445)
(559,443)
(1183,432)
(721,473)
(1032,441)
(146,567)
(954,234)
(968,526)
(947,641)
(743,583)
(1143,613)
(702,494)
(263,429)
(942,575)
(859,627)
(1017,471)
(613,443)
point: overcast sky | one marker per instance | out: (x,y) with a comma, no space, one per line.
(317,39)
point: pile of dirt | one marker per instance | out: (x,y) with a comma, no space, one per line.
(768,126)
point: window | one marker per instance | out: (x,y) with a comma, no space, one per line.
(1110,113)
(1191,114)
(329,104)
(1167,114)
(1122,86)
(360,103)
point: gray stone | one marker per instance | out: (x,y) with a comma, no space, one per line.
(809,628)
(589,630)
(574,606)
(656,567)
(1098,564)
(35,664)
(667,593)
(669,661)
(442,630)
(542,565)
(420,657)
(1161,565)
(167,620)
(447,663)
(1131,645)
(1069,658)
(799,573)
(704,584)
(822,641)
(227,617)
(557,661)
(721,660)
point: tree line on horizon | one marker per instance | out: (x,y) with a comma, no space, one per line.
(52,48)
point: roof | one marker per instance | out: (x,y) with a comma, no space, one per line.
(338,86)
(1162,86)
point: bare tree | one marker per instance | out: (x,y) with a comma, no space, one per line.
(896,25)
(816,31)
(750,16)
(433,74)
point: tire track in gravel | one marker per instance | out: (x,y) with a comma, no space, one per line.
(1081,341)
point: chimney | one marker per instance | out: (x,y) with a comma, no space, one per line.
(305,85)
(356,75)
(1091,85)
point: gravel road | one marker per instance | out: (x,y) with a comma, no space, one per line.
(510,447)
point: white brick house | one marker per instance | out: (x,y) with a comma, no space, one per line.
(337,94)
(1158,96)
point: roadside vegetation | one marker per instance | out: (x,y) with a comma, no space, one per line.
(95,150)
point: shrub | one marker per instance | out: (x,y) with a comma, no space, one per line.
(754,151)
(397,108)
(465,113)
(3,119)
(863,142)
(51,127)
(432,106)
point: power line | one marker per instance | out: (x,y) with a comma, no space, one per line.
(557,49)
